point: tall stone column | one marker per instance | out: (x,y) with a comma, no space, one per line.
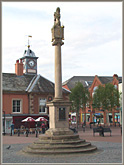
(58,72)
(58,108)
(57,37)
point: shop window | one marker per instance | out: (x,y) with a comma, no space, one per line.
(17,104)
(87,118)
(42,105)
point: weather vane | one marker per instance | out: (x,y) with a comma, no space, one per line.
(29,36)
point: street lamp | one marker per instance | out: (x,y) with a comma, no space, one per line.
(4,123)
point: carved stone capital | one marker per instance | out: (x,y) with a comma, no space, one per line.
(57,42)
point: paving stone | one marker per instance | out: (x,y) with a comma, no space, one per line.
(108,152)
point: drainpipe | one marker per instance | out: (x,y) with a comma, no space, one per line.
(4,123)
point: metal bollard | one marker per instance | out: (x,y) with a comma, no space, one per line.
(18,132)
(26,132)
(11,133)
(36,133)
(83,128)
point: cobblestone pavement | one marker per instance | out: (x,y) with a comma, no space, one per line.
(108,152)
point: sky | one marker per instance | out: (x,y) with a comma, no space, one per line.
(92,37)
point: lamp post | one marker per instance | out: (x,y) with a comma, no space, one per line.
(4,123)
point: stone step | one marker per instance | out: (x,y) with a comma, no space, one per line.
(52,142)
(63,151)
(59,137)
(55,146)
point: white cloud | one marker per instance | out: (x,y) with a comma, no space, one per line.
(93,30)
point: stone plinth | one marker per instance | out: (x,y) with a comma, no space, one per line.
(58,117)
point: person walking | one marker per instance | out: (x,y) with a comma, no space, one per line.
(12,129)
(43,128)
(83,125)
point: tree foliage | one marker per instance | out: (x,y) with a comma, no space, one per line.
(106,97)
(80,97)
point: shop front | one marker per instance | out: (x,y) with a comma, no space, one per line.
(7,121)
(98,118)
(117,117)
(87,117)
(17,120)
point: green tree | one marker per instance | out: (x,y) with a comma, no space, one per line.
(85,100)
(99,97)
(106,97)
(79,97)
(112,97)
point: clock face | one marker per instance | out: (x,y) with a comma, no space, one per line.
(31,63)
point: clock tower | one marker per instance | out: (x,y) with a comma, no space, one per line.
(29,62)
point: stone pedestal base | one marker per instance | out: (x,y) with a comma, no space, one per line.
(59,144)
(59,131)
(58,115)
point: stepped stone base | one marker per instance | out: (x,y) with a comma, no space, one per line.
(57,143)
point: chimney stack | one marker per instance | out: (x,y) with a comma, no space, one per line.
(19,68)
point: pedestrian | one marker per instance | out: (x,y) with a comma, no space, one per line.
(83,125)
(43,128)
(12,129)
(18,131)
(27,131)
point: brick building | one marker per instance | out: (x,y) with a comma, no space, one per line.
(92,82)
(25,93)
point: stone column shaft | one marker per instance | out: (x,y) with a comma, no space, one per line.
(58,72)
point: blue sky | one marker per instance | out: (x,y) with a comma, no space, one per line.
(93,37)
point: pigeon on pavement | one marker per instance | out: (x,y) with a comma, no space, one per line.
(8,147)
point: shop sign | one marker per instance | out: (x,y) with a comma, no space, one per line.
(117,113)
(97,114)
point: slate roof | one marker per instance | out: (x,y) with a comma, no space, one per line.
(41,84)
(27,83)
(105,80)
(12,82)
(85,80)
(88,80)
(108,79)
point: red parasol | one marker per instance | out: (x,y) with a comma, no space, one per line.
(41,119)
(28,119)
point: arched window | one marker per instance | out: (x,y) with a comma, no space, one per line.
(96,87)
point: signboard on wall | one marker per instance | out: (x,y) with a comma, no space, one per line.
(62,114)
